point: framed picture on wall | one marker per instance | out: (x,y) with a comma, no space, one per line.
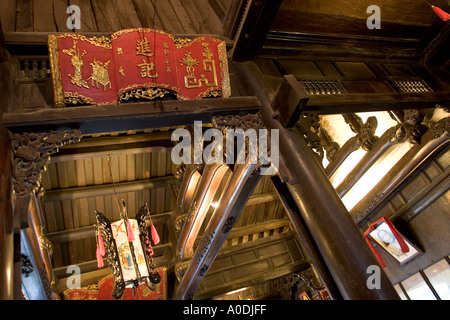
(383,236)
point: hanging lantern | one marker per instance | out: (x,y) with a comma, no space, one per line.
(128,251)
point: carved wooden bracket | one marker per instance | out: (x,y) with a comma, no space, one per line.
(32,153)
(308,125)
(412,128)
(365,137)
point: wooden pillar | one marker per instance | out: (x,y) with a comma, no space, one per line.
(337,237)
(6,217)
(236,193)
(201,202)
(306,238)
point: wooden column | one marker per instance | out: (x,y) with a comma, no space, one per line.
(237,191)
(305,238)
(6,217)
(338,239)
(201,202)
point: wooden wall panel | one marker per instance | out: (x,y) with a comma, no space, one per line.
(24,17)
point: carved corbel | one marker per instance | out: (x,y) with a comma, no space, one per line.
(365,132)
(246,122)
(32,153)
(412,128)
(331,147)
(308,125)
(365,138)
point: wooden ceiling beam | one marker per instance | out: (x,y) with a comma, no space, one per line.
(365,102)
(89,232)
(128,116)
(115,150)
(105,189)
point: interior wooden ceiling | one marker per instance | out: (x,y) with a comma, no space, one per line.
(399,18)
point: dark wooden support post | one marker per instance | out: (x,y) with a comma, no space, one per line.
(237,191)
(31,152)
(337,237)
(201,202)
(257,19)
(6,217)
(305,238)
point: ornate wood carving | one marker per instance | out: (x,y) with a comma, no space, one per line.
(365,131)
(32,153)
(248,121)
(308,125)
(112,255)
(144,221)
(433,140)
(203,246)
(27,266)
(331,147)
(412,128)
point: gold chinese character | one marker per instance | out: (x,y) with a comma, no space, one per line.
(122,72)
(143,48)
(166,51)
(119,51)
(146,69)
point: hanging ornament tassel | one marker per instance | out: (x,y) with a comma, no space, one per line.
(441,13)
(101,246)
(155,235)
(100,263)
(130,231)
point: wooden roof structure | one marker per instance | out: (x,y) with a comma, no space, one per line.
(342,66)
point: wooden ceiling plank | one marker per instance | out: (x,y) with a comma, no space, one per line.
(88,18)
(8,15)
(105,189)
(209,17)
(105,16)
(81,173)
(169,18)
(43,19)
(183,16)
(139,170)
(126,13)
(66,208)
(147,15)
